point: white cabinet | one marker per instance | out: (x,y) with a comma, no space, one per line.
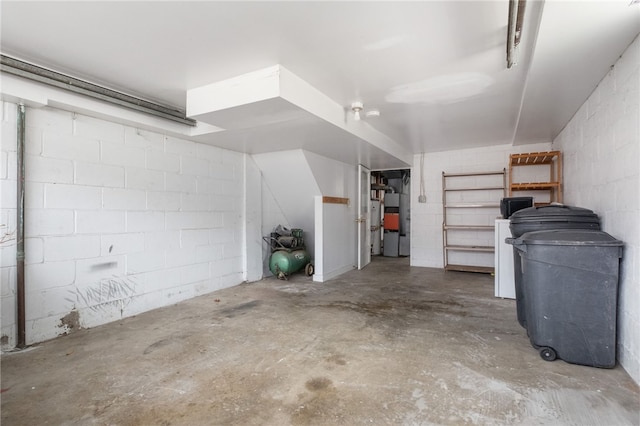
(504,281)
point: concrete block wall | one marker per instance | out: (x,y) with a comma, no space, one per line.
(426,218)
(601,146)
(118,221)
(8,170)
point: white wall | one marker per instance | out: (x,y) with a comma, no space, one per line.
(291,181)
(334,178)
(601,146)
(426,218)
(253,221)
(272,216)
(118,220)
(335,224)
(288,190)
(8,225)
(335,239)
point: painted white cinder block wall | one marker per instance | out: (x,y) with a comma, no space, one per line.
(426,218)
(601,146)
(118,220)
(8,226)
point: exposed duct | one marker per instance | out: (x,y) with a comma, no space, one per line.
(29,71)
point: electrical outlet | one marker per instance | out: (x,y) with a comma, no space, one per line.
(422,199)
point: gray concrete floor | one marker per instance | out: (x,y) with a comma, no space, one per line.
(388,345)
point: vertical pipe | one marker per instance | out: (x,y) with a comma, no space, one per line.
(20,230)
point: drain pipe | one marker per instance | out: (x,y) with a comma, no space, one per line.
(20,231)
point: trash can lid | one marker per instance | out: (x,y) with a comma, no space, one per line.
(554,213)
(569,237)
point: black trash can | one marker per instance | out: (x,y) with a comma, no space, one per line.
(554,216)
(570,283)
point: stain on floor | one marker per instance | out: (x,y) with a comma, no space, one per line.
(388,345)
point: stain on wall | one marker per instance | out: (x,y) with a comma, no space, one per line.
(70,322)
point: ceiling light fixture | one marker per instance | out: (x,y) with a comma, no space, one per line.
(372,113)
(514,29)
(356,107)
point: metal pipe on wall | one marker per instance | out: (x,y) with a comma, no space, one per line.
(33,72)
(20,229)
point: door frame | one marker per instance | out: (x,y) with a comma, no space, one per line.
(363,220)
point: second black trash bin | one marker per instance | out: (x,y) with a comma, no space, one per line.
(570,283)
(554,216)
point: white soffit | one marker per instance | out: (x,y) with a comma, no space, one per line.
(272,110)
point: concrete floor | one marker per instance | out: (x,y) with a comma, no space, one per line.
(388,345)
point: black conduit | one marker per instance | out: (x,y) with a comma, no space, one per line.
(20,231)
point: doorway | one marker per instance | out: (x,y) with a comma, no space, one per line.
(390,213)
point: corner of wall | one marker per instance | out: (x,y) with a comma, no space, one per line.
(252,221)
(601,146)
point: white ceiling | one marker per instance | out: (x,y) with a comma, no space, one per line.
(436,70)
(577,44)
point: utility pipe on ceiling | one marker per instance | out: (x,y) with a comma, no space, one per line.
(20,230)
(33,72)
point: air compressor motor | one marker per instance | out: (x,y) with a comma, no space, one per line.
(288,252)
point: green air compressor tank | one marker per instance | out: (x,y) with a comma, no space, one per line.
(286,262)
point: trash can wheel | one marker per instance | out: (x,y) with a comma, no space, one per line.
(309,269)
(548,354)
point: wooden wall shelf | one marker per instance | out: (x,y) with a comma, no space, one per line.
(552,159)
(534,186)
(534,158)
(470,268)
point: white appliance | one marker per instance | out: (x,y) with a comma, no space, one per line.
(504,281)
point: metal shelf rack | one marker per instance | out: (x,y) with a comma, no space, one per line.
(489,188)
